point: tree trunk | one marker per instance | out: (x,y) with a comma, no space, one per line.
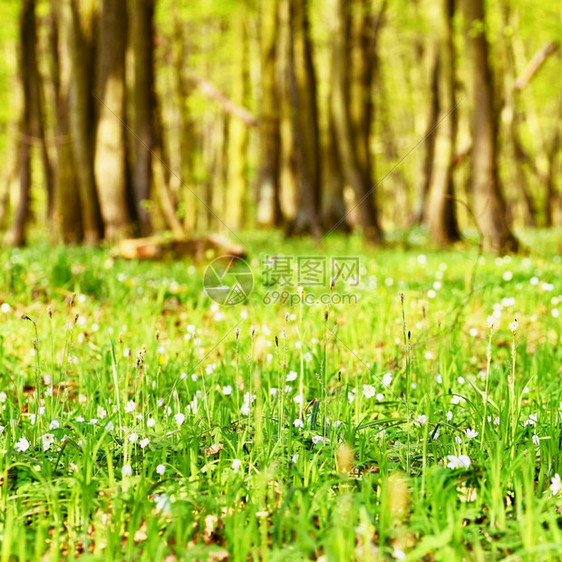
(141,14)
(76,30)
(27,65)
(269,208)
(441,215)
(302,83)
(237,183)
(353,135)
(110,153)
(489,205)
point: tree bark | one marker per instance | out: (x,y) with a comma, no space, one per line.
(306,142)
(489,204)
(268,204)
(110,154)
(141,15)
(441,216)
(353,128)
(27,65)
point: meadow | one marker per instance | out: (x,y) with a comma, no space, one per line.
(402,403)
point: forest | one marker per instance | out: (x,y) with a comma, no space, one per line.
(123,118)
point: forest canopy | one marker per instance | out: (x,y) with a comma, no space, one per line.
(125,118)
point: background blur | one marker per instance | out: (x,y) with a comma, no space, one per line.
(125,118)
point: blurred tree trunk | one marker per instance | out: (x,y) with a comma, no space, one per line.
(352,76)
(27,66)
(268,208)
(552,196)
(182,90)
(440,212)
(306,141)
(489,205)
(430,138)
(141,15)
(513,116)
(66,220)
(110,154)
(237,183)
(76,30)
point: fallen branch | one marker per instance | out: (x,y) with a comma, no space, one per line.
(228,105)
(535,65)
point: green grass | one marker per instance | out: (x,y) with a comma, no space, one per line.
(176,467)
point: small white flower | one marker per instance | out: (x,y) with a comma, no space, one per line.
(298,423)
(492,323)
(398,554)
(127,470)
(439,379)
(532,420)
(298,398)
(336,424)
(497,420)
(368,391)
(130,407)
(513,326)
(536,440)
(5,308)
(3,397)
(2,428)
(227,390)
(236,465)
(379,397)
(555,484)
(317,439)
(295,458)
(150,422)
(194,377)
(47,441)
(421,420)
(163,503)
(457,400)
(93,421)
(133,438)
(386,380)
(144,442)
(245,409)
(458,439)
(273,391)
(470,433)
(80,419)
(22,445)
(449,415)
(109,426)
(291,376)
(462,461)
(461,380)
(180,418)
(160,469)
(54,424)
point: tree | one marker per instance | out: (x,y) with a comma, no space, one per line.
(351,104)
(306,134)
(110,154)
(440,211)
(269,208)
(489,204)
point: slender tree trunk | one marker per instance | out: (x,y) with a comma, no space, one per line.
(110,153)
(142,92)
(441,215)
(489,205)
(16,236)
(302,81)
(353,137)
(269,208)
(237,183)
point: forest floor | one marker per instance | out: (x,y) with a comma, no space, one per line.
(409,409)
